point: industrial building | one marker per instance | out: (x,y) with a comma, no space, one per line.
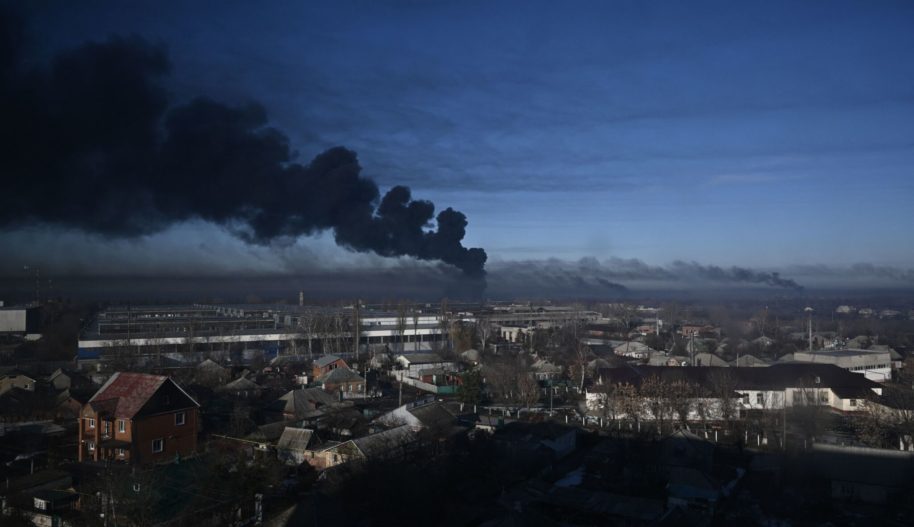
(20,320)
(876,365)
(239,333)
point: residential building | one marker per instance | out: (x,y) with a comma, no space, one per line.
(299,404)
(388,444)
(634,350)
(414,363)
(343,381)
(241,388)
(139,419)
(544,370)
(16,380)
(293,445)
(326,364)
(771,388)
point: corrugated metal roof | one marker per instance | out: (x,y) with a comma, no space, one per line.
(295,438)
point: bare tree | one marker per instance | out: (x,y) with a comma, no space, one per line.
(582,353)
(461,336)
(888,422)
(528,390)
(484,331)
(625,399)
(356,329)
(808,412)
(444,323)
(307,323)
(626,314)
(402,315)
(657,398)
(723,388)
(872,426)
(682,394)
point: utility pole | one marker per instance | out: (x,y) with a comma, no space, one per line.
(784,420)
(692,347)
(809,311)
(550,396)
(357,328)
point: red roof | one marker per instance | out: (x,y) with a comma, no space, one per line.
(125,394)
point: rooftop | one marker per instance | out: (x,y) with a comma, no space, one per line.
(125,394)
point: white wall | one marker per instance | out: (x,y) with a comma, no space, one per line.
(12,320)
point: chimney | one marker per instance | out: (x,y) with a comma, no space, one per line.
(301,299)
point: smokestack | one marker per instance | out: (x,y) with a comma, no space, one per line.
(301,299)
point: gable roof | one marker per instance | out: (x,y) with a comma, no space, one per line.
(238,385)
(376,445)
(210,364)
(126,393)
(299,402)
(326,360)
(57,373)
(434,415)
(748,360)
(339,375)
(709,359)
(296,439)
(632,347)
(422,358)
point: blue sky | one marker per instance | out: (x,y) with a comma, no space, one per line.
(761,134)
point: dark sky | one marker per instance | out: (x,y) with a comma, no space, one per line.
(771,135)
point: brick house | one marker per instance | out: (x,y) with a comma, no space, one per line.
(326,364)
(139,419)
(343,381)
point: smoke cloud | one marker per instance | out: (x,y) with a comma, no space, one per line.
(93,143)
(740,275)
(590,274)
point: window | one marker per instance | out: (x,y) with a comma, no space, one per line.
(40,504)
(759,398)
(853,402)
(91,423)
(107,427)
(121,426)
(180,418)
(90,445)
(121,452)
(158,445)
(823,396)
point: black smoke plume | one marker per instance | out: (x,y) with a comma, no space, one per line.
(605,277)
(714,273)
(92,142)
